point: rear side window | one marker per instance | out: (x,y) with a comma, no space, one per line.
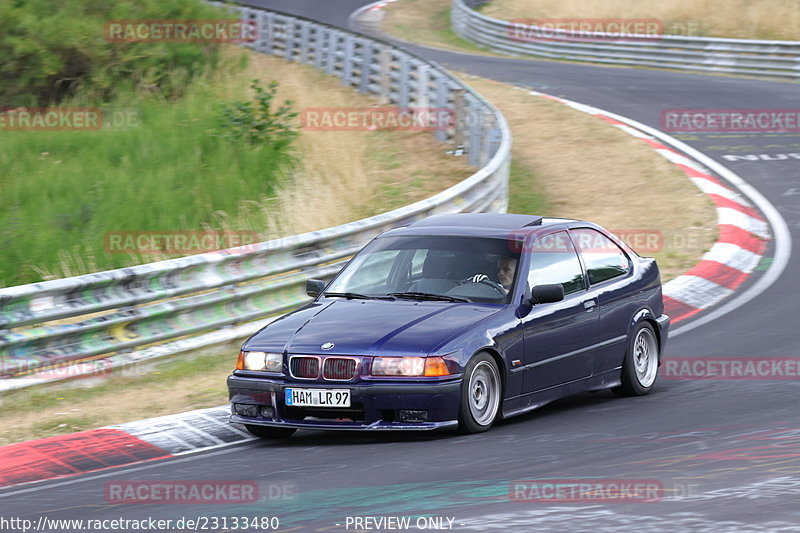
(604,260)
(553,260)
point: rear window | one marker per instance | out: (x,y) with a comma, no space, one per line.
(604,260)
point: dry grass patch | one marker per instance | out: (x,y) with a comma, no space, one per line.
(593,171)
(743,19)
(425,22)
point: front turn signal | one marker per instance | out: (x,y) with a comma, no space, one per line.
(240,361)
(435,366)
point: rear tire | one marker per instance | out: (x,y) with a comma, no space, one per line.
(640,368)
(481,394)
(269,432)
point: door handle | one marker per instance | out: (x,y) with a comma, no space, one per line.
(589,305)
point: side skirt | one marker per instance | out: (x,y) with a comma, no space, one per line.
(528,402)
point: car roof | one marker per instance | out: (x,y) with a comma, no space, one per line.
(478,224)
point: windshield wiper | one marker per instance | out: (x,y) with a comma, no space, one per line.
(429,296)
(357,296)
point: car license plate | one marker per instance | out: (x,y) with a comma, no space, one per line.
(318,397)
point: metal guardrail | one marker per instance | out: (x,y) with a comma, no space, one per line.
(117,311)
(773,59)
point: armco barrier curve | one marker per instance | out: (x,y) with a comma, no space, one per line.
(773,59)
(195,301)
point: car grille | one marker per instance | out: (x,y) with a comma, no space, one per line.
(304,367)
(337,368)
(333,368)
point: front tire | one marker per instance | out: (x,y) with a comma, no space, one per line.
(269,432)
(480,395)
(640,368)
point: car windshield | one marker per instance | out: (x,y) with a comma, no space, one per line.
(424,267)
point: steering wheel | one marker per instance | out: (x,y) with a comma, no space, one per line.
(485,280)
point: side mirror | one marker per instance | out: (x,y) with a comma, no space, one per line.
(314,287)
(546,294)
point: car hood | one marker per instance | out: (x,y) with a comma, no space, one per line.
(367,327)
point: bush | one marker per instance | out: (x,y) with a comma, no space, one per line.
(48,54)
(256,123)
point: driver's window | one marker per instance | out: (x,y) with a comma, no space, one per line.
(554,260)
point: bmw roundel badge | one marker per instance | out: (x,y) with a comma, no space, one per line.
(327,346)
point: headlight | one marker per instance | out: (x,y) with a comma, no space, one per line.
(409,366)
(265,362)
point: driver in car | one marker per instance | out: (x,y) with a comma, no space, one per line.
(506,267)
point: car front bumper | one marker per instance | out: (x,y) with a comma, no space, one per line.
(375,406)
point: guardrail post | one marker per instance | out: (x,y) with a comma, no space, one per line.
(403,82)
(332,51)
(457,19)
(318,46)
(441,105)
(288,41)
(266,31)
(495,138)
(366,66)
(488,127)
(347,61)
(423,82)
(385,74)
(475,125)
(304,42)
(461,110)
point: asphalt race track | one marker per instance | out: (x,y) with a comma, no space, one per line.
(725,455)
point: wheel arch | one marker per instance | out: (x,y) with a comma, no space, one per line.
(645,314)
(501,368)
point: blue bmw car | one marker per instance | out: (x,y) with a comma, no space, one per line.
(457,321)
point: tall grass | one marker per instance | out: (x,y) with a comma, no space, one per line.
(61,192)
(743,19)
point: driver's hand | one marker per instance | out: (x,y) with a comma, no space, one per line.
(477,278)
